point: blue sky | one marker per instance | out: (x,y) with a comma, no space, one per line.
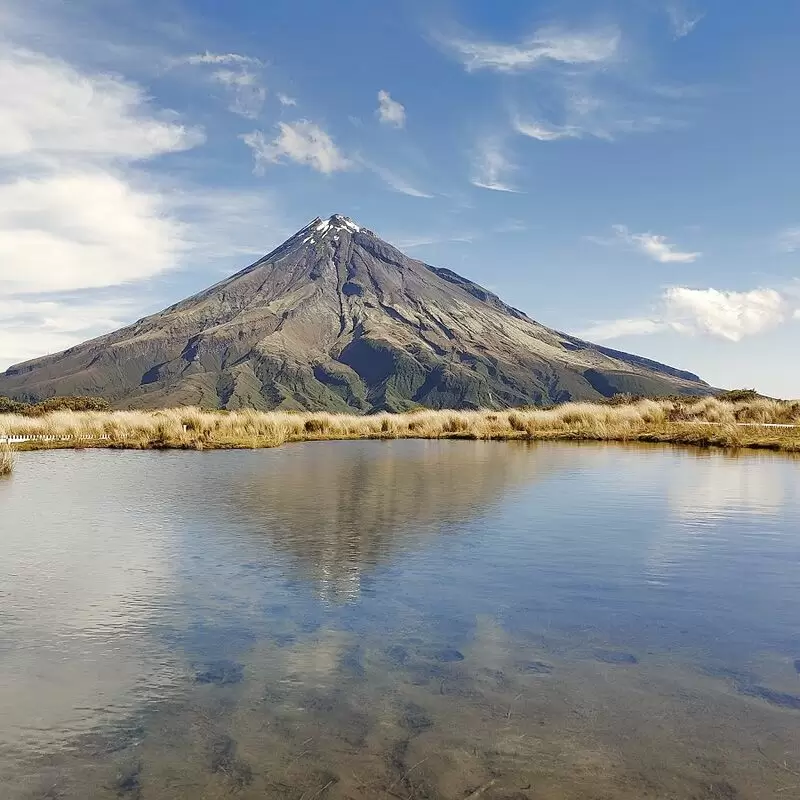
(624,170)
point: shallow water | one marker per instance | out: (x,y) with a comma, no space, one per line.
(402,619)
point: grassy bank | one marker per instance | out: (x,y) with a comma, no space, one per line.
(6,460)
(704,422)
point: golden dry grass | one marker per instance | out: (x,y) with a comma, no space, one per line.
(705,421)
(6,460)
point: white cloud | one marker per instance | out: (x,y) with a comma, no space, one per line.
(52,111)
(83,228)
(302,142)
(73,212)
(789,240)
(285,100)
(547,44)
(655,246)
(631,326)
(247,93)
(219,230)
(713,312)
(490,166)
(681,20)
(796,314)
(82,223)
(219,59)
(729,315)
(390,112)
(395,182)
(31,328)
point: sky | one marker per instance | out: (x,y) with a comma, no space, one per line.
(624,170)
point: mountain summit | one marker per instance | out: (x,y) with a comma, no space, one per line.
(337,319)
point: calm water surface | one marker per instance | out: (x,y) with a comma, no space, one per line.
(400,620)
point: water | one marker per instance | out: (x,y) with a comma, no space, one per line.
(400,620)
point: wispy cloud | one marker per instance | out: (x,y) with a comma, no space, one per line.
(285,100)
(788,241)
(723,314)
(681,20)
(628,326)
(589,116)
(31,328)
(652,245)
(510,226)
(397,183)
(491,167)
(545,132)
(220,59)
(302,142)
(547,44)
(390,112)
(410,242)
(239,74)
(245,87)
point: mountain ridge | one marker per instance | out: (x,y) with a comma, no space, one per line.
(337,319)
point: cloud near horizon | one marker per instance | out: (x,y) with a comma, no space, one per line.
(83,223)
(723,314)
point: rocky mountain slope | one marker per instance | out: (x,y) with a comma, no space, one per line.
(337,319)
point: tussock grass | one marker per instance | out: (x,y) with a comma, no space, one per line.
(6,460)
(706,421)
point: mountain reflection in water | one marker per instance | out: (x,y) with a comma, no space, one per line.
(340,511)
(359,620)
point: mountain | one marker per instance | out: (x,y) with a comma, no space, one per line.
(337,319)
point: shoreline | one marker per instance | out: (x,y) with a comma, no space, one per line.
(754,425)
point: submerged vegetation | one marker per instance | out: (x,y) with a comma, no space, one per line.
(749,422)
(6,460)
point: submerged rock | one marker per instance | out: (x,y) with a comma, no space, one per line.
(536,667)
(781,699)
(721,791)
(351,661)
(397,654)
(415,719)
(615,657)
(224,760)
(127,782)
(447,655)
(220,673)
